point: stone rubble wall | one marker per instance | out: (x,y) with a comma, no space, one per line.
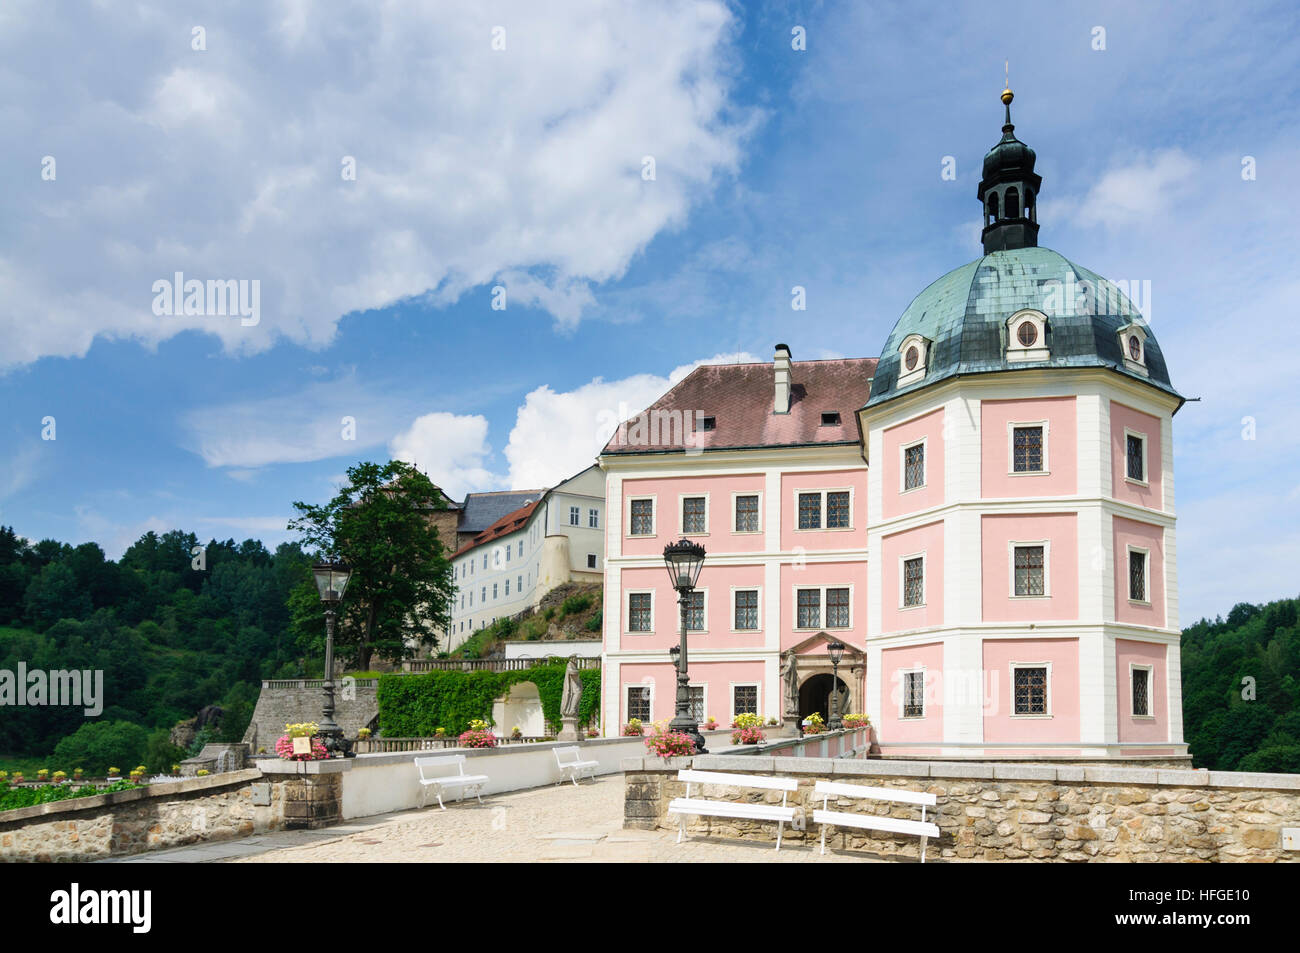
(1003,812)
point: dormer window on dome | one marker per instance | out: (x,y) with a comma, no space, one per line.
(912,356)
(1133,345)
(1027,337)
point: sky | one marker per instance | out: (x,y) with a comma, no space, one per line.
(483,232)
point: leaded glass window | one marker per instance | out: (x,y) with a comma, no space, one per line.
(697,702)
(1030,571)
(643,517)
(1141,691)
(638,702)
(747,609)
(744,700)
(1031,690)
(914,581)
(747,514)
(837,608)
(837,509)
(695,611)
(914,694)
(914,467)
(1137,576)
(1136,461)
(1027,449)
(693,514)
(810,511)
(809,608)
(638,612)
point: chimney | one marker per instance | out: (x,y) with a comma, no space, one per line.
(781,405)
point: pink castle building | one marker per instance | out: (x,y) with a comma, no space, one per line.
(984,515)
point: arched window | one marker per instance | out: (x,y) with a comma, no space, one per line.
(993,207)
(1013,203)
(1031,212)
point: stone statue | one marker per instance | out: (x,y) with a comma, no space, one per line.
(790,684)
(572,690)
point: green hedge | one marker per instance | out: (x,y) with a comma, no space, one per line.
(415,706)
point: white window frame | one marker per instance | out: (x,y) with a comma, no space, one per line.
(654,517)
(758,697)
(1011,448)
(1047,567)
(575,516)
(1011,689)
(759,615)
(905,376)
(903,489)
(1038,351)
(1146,574)
(1151,685)
(902,692)
(823,528)
(902,580)
(627,611)
(756,532)
(1146,471)
(704,592)
(627,709)
(593,514)
(821,608)
(681,512)
(1140,365)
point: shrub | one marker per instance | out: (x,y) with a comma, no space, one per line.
(98,744)
(747,736)
(816,724)
(594,623)
(575,604)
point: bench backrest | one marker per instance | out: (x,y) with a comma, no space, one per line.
(737,780)
(567,755)
(876,794)
(441,766)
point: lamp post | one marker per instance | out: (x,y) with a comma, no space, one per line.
(684,560)
(836,650)
(331,580)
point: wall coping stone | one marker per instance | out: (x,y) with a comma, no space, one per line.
(940,769)
(283,766)
(165,789)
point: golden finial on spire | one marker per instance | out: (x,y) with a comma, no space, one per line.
(1007,94)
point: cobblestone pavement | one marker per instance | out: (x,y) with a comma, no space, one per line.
(555,824)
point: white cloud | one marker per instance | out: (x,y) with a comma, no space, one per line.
(450,448)
(559,434)
(473,166)
(1137,193)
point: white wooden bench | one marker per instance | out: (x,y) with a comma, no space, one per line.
(826,817)
(570,761)
(745,810)
(448,782)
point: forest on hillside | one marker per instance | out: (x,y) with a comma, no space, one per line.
(170,638)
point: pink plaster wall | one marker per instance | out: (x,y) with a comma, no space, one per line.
(1062,445)
(1156,728)
(853,537)
(893,728)
(837,574)
(1145,536)
(895,502)
(926,539)
(668,517)
(1150,495)
(716,677)
(1000,726)
(716,582)
(1060,531)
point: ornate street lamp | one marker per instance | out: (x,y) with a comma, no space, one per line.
(331,581)
(684,560)
(836,650)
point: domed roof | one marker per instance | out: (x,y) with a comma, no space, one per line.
(1009,155)
(964,316)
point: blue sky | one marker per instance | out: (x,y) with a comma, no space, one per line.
(522,168)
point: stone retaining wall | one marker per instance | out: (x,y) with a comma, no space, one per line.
(1006,811)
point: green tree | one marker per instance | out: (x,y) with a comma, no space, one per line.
(400,593)
(98,745)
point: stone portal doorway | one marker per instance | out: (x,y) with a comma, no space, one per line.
(815,696)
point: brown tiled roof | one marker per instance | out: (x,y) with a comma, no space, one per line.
(740,397)
(502,527)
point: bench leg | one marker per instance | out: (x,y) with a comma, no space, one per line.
(440,804)
(681,827)
(923,840)
(824,826)
(780,829)
(573,776)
